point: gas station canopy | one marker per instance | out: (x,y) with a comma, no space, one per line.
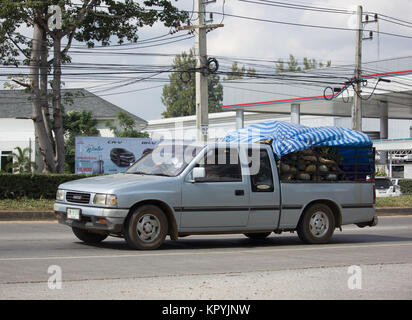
(314,92)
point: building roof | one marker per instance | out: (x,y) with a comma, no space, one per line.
(393,145)
(17,104)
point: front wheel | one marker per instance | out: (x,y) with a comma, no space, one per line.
(89,237)
(146,228)
(317,224)
(258,235)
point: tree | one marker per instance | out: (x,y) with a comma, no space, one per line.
(21,161)
(89,21)
(313,64)
(239,73)
(280,66)
(294,66)
(77,124)
(179,96)
(127,127)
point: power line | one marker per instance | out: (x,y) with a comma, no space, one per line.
(137,45)
(392,18)
(396,23)
(298,6)
(309,25)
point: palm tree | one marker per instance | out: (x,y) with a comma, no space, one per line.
(21,161)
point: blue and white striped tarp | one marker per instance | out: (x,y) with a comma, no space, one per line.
(289,137)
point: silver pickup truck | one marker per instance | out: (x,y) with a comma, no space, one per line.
(187,189)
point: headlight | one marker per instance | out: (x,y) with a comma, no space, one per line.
(105,199)
(60,195)
(100,199)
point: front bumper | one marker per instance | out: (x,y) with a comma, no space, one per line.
(93,218)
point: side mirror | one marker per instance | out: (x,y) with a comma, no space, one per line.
(198,173)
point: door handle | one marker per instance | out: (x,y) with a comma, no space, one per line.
(239,192)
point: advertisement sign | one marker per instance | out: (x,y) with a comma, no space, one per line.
(97,155)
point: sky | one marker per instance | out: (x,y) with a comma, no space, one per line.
(242,38)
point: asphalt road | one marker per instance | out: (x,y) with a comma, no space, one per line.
(208,267)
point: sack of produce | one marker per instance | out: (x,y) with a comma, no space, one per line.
(315,164)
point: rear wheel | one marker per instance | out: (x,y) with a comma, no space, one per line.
(258,235)
(317,224)
(146,228)
(89,237)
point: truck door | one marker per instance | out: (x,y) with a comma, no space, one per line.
(265,194)
(221,198)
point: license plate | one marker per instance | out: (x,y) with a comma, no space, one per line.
(73,214)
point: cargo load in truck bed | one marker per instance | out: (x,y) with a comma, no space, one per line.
(313,154)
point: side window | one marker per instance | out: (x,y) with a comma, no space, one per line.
(222,165)
(262,179)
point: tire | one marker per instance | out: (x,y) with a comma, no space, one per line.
(258,235)
(317,224)
(89,237)
(146,228)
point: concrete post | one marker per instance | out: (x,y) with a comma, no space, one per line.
(295,113)
(383,129)
(357,102)
(202,109)
(383,105)
(240,119)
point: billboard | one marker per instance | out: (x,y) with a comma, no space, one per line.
(96,155)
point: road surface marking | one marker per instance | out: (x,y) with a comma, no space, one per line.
(377,228)
(202,252)
(29,222)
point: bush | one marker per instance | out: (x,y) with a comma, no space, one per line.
(406,186)
(33,186)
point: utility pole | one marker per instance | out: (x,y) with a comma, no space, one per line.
(202,94)
(357,101)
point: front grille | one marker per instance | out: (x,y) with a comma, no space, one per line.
(78,197)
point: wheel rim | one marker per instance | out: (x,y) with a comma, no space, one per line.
(319,224)
(148,228)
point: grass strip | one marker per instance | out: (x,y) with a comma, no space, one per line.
(403,201)
(25,204)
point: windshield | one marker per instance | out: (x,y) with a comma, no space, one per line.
(383,183)
(165,160)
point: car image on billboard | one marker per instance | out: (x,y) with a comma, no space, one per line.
(122,157)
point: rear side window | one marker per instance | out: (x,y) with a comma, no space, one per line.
(222,165)
(262,179)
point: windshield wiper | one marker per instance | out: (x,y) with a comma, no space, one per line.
(161,174)
(151,174)
(136,172)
